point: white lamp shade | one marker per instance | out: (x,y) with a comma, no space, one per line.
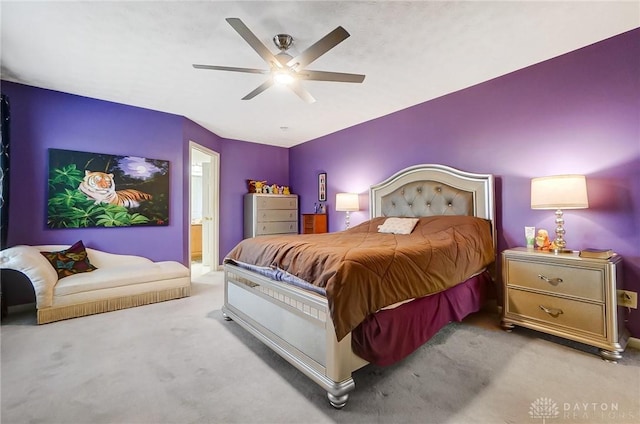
(559,192)
(347,202)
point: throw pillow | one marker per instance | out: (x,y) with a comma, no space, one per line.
(398,225)
(73,260)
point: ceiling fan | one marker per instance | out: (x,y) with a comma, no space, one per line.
(284,68)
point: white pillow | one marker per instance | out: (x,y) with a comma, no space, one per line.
(398,225)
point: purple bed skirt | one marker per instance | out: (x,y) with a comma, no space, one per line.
(390,335)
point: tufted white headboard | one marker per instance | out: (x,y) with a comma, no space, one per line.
(427,190)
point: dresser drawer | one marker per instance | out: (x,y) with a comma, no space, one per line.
(267,202)
(271,215)
(266,228)
(580,282)
(562,313)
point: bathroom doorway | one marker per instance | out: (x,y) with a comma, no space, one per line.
(204,197)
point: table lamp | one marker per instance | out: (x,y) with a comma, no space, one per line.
(347,202)
(559,192)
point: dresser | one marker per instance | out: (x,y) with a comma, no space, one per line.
(270,214)
(565,295)
(314,223)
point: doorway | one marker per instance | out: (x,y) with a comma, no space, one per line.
(204,189)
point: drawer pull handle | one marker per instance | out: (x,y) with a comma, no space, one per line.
(552,311)
(553,281)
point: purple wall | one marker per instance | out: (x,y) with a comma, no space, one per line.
(43,119)
(239,162)
(578,113)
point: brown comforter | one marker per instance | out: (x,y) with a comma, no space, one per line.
(363,271)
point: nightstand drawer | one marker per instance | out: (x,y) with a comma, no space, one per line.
(580,282)
(558,312)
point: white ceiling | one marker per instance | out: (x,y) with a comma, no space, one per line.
(140,54)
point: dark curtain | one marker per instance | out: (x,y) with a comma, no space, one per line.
(4,171)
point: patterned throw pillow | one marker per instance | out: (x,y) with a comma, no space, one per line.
(73,260)
(398,225)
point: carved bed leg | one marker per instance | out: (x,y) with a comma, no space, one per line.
(507,326)
(338,402)
(337,392)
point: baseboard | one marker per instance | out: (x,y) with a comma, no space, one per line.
(633,343)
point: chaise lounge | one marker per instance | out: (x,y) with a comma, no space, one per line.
(112,281)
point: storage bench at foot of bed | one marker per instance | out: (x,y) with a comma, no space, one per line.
(296,325)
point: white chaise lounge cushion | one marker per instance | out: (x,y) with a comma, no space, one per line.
(116,276)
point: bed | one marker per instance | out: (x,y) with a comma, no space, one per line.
(303,322)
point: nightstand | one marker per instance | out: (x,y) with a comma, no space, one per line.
(565,295)
(314,223)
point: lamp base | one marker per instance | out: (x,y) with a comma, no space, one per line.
(558,250)
(559,242)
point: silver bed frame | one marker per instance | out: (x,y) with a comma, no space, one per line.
(296,323)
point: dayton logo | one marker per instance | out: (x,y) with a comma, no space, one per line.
(544,408)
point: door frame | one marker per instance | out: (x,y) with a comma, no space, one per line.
(214,176)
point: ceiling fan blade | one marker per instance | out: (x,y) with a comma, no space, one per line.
(322,46)
(301,92)
(254,42)
(230,68)
(262,87)
(330,76)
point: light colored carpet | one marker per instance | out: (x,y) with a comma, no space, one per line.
(181,362)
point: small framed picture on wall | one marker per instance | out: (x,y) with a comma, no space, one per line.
(322,186)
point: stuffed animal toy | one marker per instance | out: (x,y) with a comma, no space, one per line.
(251,186)
(260,185)
(285,190)
(542,240)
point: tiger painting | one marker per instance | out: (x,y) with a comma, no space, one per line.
(100,187)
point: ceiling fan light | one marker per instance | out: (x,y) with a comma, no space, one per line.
(283,77)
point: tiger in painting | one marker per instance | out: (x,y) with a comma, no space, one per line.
(100,187)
